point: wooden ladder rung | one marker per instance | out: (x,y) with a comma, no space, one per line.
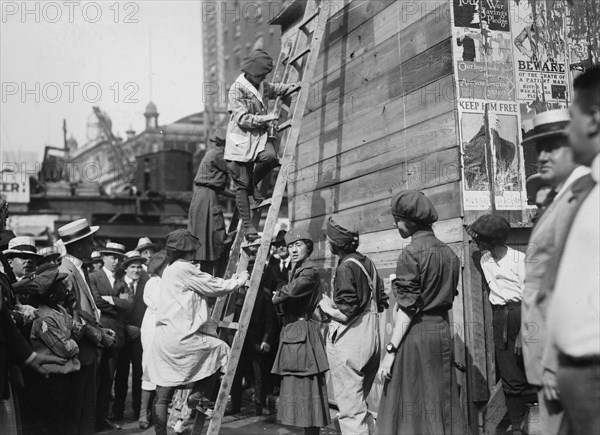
(307,21)
(284,125)
(294,61)
(229,325)
(248,245)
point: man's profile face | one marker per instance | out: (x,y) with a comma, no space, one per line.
(111,262)
(555,160)
(22,265)
(147,253)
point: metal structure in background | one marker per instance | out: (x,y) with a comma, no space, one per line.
(300,65)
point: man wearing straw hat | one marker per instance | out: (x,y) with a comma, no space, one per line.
(22,256)
(131,353)
(114,304)
(559,170)
(77,237)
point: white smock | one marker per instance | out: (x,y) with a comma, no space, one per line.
(151,293)
(180,352)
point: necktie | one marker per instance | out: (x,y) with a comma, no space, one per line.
(549,198)
(131,288)
(282,265)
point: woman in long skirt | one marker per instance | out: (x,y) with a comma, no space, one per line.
(420,394)
(301,358)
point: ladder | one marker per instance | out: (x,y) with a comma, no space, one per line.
(300,62)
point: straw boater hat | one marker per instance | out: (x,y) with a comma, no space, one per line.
(76,230)
(146,243)
(113,248)
(96,257)
(22,247)
(548,124)
(50,253)
(133,257)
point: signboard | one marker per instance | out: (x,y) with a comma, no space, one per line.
(14,181)
(510,64)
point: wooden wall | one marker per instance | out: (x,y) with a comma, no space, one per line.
(382,118)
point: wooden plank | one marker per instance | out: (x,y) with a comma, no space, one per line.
(457,323)
(348,95)
(494,411)
(448,231)
(324,135)
(419,173)
(475,329)
(431,136)
(376,216)
(414,39)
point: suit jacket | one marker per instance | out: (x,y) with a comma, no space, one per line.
(113,316)
(136,315)
(274,277)
(246,137)
(541,266)
(85,302)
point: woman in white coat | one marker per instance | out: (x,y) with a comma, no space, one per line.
(182,353)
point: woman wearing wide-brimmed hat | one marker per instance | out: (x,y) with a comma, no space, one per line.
(301,358)
(182,351)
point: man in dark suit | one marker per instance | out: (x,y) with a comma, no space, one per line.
(134,283)
(79,244)
(114,304)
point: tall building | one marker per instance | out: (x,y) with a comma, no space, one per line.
(231,31)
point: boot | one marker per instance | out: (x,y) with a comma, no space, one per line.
(143,421)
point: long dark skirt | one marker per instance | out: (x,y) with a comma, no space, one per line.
(421,397)
(303,401)
(207,223)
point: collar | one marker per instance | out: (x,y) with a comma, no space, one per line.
(422,233)
(76,261)
(286,261)
(595,168)
(109,273)
(129,280)
(243,81)
(577,173)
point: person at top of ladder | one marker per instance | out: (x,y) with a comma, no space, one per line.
(358,297)
(249,150)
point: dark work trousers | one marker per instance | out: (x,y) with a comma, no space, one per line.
(252,363)
(83,403)
(164,395)
(507,325)
(131,353)
(107,365)
(246,175)
(579,386)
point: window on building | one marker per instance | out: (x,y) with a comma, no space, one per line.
(238,31)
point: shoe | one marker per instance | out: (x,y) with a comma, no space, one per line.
(107,425)
(143,424)
(251,237)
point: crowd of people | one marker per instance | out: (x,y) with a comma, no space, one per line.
(80,318)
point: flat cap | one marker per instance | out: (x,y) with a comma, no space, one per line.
(182,240)
(294,235)
(490,227)
(413,205)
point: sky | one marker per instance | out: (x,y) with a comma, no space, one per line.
(70,56)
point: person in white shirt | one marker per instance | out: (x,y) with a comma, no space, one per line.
(504,271)
(574,312)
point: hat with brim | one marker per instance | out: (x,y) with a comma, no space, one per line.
(183,241)
(96,257)
(50,253)
(133,257)
(76,230)
(279,239)
(548,124)
(145,243)
(113,248)
(22,246)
